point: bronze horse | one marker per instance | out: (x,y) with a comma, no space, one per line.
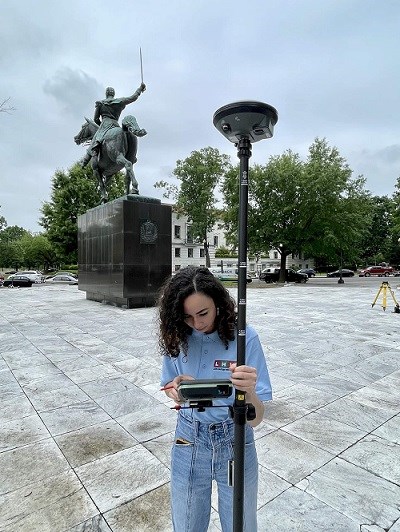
(117,151)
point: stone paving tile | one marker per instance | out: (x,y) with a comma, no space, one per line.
(73,417)
(280,412)
(361,416)
(47,384)
(24,465)
(377,455)
(355,492)
(102,387)
(92,373)
(56,398)
(378,396)
(121,477)
(395,527)
(297,511)
(327,434)
(92,443)
(147,513)
(76,363)
(19,432)
(95,524)
(21,358)
(126,402)
(390,430)
(334,385)
(28,374)
(143,375)
(15,407)
(51,505)
(305,396)
(161,447)
(289,457)
(149,423)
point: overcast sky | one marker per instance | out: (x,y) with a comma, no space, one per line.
(331,68)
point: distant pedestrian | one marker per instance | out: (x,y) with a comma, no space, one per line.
(198,333)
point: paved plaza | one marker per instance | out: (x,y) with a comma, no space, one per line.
(85,433)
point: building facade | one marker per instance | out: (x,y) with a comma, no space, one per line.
(186,251)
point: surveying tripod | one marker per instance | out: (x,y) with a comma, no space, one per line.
(385,286)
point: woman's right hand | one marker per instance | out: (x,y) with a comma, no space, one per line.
(172,392)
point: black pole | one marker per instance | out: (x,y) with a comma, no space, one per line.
(239,408)
(242,123)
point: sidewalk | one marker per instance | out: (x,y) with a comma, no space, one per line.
(85,433)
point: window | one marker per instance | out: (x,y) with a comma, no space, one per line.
(202,255)
(275,254)
(190,253)
(189,236)
(215,240)
(177,252)
(177,231)
(177,267)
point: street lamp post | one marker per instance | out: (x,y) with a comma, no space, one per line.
(243,123)
(341,280)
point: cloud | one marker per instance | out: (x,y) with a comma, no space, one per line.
(73,89)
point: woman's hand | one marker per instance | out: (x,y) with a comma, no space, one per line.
(244,378)
(171,389)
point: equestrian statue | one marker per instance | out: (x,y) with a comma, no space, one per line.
(112,147)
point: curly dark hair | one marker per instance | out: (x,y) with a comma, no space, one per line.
(173,330)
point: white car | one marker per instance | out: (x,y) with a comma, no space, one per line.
(229,274)
(63,279)
(34,275)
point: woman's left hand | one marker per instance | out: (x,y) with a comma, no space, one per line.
(244,378)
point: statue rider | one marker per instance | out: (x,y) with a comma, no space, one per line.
(110,110)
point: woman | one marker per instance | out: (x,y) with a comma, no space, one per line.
(198,336)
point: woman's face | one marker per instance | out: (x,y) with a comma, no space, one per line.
(200,312)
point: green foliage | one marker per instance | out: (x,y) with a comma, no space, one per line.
(19,247)
(223,252)
(311,207)
(3,222)
(195,197)
(11,250)
(377,241)
(73,193)
(38,251)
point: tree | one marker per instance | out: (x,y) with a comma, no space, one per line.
(73,193)
(195,197)
(394,246)
(3,222)
(312,208)
(38,251)
(11,251)
(377,241)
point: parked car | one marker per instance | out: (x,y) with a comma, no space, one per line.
(18,280)
(63,279)
(308,271)
(229,274)
(345,273)
(381,271)
(34,275)
(271,275)
(50,276)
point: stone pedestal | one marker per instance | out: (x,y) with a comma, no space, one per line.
(124,251)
